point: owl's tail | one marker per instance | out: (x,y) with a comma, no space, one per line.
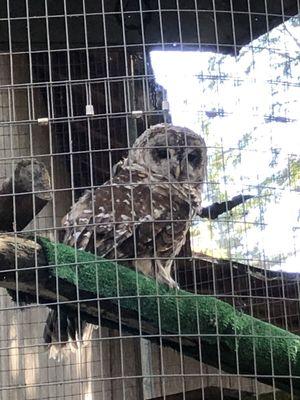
(63,332)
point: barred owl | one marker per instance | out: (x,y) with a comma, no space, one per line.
(141,216)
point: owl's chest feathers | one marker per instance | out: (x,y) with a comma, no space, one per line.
(140,196)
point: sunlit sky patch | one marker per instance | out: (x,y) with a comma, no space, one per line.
(247,108)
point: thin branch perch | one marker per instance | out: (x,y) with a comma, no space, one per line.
(24,195)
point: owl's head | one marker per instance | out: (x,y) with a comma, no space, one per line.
(176,153)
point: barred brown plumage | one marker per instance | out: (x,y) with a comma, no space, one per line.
(143,213)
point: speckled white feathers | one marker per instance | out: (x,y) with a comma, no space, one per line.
(141,216)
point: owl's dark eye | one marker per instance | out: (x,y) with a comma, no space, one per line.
(195,158)
(162,153)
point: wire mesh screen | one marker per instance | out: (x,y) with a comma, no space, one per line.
(149,201)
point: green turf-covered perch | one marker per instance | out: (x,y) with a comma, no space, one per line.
(229,339)
(260,348)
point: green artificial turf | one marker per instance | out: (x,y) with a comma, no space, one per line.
(227,335)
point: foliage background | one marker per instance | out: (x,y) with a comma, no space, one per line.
(247,107)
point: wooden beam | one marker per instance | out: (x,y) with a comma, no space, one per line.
(236,27)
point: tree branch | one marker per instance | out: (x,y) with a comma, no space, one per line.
(216,209)
(112,295)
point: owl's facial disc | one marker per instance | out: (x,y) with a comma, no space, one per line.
(180,161)
(171,152)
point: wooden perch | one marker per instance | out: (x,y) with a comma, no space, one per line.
(202,327)
(24,195)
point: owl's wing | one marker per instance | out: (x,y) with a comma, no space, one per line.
(94,221)
(124,221)
(118,221)
(74,223)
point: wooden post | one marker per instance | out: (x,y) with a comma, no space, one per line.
(23,195)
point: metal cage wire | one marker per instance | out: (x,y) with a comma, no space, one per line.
(77,87)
